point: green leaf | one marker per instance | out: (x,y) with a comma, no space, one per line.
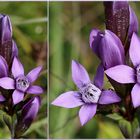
(115,116)
(135,128)
(135,125)
(37,125)
(125,127)
(8,121)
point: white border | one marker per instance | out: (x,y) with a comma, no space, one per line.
(22,0)
(86,0)
(62,0)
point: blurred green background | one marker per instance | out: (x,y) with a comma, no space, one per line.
(70,25)
(29,22)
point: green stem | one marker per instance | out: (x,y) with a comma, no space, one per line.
(13,127)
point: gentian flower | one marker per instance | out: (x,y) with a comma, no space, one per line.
(5,28)
(20,83)
(89,95)
(108,47)
(125,74)
(121,19)
(28,114)
(30,110)
(8,48)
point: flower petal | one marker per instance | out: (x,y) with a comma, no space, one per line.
(17,68)
(122,74)
(2,98)
(134,50)
(133,22)
(7,83)
(112,48)
(70,99)
(31,108)
(79,74)
(34,90)
(33,74)
(135,93)
(94,40)
(93,35)
(108,47)
(3,67)
(109,97)
(87,112)
(99,77)
(14,49)
(6,28)
(28,114)
(17,96)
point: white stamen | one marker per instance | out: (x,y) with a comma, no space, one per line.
(90,93)
(22,83)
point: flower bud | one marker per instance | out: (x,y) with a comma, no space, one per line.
(5,28)
(28,114)
(108,47)
(121,19)
(7,45)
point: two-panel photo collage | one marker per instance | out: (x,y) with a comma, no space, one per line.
(69,69)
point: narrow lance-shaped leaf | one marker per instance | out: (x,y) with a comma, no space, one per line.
(126,128)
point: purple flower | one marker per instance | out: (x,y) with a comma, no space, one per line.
(5,28)
(108,47)
(8,48)
(125,74)
(30,110)
(20,83)
(89,95)
(28,114)
(120,19)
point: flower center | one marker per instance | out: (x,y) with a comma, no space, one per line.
(138,73)
(22,83)
(90,93)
